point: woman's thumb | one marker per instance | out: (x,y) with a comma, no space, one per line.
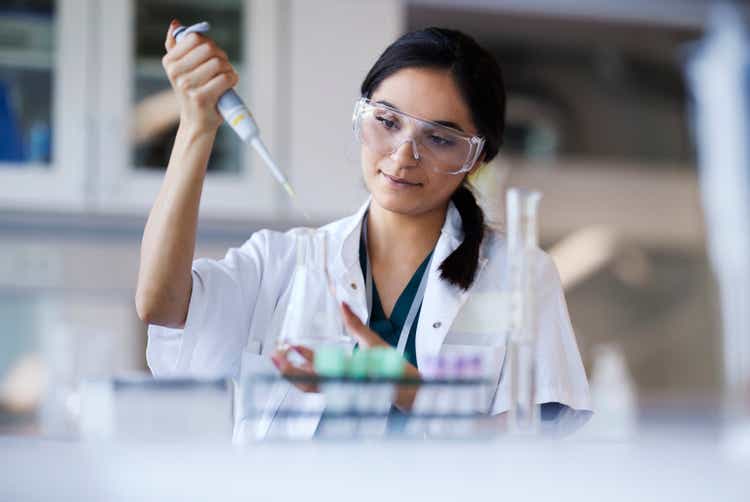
(170,41)
(355,326)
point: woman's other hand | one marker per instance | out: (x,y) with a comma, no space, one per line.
(367,338)
(305,370)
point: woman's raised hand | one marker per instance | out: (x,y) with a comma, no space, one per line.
(200,73)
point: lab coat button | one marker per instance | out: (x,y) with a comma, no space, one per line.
(353,285)
(437,324)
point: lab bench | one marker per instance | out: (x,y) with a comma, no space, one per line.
(687,468)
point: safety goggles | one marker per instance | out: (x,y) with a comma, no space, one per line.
(384,129)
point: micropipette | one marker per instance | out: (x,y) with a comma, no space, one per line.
(238,116)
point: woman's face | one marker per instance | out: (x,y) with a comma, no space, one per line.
(399,182)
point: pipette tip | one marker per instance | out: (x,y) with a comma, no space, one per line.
(290,190)
(293,196)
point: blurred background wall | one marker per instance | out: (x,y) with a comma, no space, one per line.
(598,121)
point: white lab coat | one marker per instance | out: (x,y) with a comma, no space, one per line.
(237,304)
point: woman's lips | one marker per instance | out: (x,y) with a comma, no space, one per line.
(398,182)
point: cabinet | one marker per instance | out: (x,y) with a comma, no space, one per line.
(87,117)
(95,117)
(45,70)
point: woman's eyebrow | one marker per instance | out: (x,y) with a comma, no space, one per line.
(446,123)
(450,124)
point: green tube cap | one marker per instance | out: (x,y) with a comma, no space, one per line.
(359,364)
(331,362)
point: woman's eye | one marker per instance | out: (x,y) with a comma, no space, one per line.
(388,124)
(440,141)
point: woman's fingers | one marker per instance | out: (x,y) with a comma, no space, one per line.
(199,54)
(214,88)
(287,369)
(192,51)
(203,73)
(283,364)
(187,44)
(307,354)
(364,335)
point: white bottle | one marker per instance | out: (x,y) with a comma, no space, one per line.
(613,396)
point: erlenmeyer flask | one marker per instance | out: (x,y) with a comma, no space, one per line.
(313,317)
(523,241)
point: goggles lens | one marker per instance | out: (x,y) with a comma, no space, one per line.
(384,129)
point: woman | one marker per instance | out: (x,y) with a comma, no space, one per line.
(432,112)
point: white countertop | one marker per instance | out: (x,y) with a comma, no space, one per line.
(681,469)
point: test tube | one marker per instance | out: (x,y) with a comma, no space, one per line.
(386,366)
(441,403)
(331,363)
(424,400)
(357,373)
(523,240)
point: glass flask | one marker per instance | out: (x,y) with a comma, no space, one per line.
(313,315)
(523,240)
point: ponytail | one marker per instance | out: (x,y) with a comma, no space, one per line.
(460,267)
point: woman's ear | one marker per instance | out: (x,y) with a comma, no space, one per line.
(476,169)
(478,165)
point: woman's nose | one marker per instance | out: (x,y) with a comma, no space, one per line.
(406,153)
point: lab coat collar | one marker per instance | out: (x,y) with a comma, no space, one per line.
(352,229)
(442,300)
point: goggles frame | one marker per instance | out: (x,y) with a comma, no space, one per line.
(476,143)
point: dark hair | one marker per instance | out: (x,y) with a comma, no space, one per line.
(480,81)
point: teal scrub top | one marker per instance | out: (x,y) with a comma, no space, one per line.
(389,329)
